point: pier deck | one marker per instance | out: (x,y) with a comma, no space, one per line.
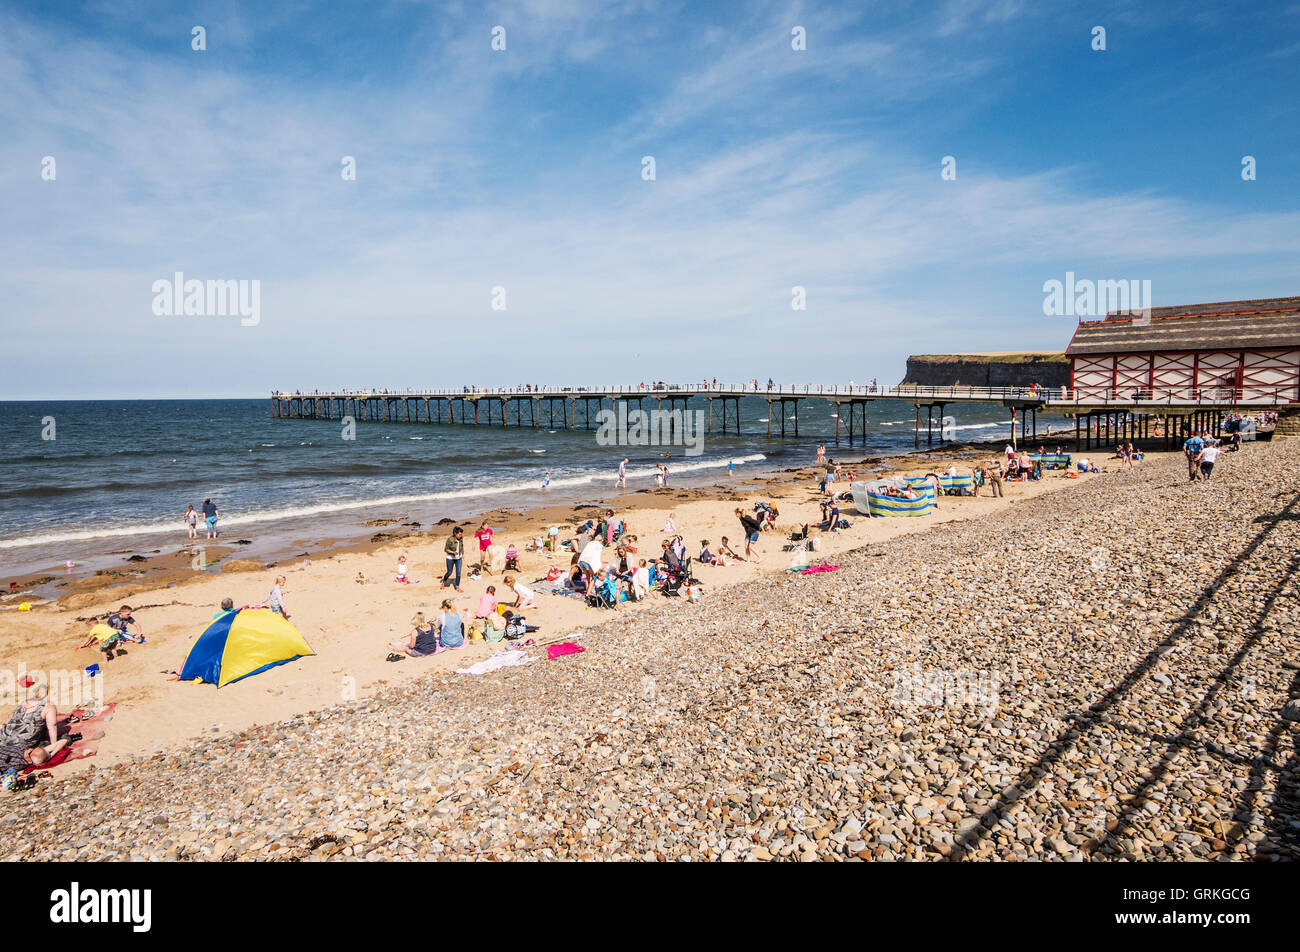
(1130,411)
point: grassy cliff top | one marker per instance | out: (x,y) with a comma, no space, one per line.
(999,357)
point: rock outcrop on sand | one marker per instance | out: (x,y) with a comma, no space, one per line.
(1098,674)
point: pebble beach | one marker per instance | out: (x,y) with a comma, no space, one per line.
(1105,673)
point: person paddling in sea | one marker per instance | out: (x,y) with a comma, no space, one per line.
(210,515)
(192,522)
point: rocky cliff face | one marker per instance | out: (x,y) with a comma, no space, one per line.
(1018,370)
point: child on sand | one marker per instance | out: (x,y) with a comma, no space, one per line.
(725,553)
(670,525)
(401,570)
(525,597)
(487,605)
(484,536)
(641,581)
(512,558)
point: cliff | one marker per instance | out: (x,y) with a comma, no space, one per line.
(1049,368)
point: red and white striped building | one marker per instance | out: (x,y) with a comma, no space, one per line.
(1229,353)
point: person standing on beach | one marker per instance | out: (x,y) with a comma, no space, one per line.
(752,531)
(275,600)
(192,522)
(455,551)
(484,536)
(995,478)
(821,453)
(210,515)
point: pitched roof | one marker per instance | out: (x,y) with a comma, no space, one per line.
(1231,325)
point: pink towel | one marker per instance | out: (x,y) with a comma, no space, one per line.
(814,569)
(563,648)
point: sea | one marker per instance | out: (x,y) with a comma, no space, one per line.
(90,481)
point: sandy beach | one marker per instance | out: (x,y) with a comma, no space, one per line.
(1100,670)
(348,605)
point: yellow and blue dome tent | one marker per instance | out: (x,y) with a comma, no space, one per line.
(240,643)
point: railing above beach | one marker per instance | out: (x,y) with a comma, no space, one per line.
(1049,397)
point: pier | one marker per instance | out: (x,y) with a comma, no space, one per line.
(1101,415)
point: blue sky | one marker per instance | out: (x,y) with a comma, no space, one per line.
(522,169)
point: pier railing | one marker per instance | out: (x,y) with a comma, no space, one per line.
(1050,397)
(843,391)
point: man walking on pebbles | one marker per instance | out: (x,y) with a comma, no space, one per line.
(1192,450)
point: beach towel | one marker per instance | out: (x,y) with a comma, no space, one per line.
(563,648)
(74,751)
(823,567)
(502,659)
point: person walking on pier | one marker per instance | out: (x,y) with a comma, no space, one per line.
(455,552)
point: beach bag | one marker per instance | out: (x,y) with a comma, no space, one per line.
(553,573)
(844,523)
(693,593)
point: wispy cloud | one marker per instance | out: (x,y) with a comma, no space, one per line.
(523,171)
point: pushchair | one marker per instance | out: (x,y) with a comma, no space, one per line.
(671,579)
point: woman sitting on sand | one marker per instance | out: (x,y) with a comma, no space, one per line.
(31,719)
(16,758)
(451,630)
(423,640)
